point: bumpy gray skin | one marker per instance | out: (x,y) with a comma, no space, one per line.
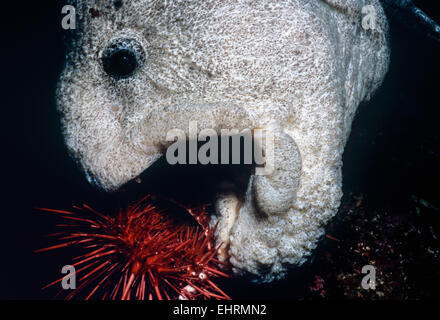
(299,66)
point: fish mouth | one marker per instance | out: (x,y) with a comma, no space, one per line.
(220,187)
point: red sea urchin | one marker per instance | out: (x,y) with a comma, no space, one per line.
(141,254)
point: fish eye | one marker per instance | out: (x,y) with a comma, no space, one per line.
(123,58)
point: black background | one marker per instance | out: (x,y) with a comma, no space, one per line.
(383,158)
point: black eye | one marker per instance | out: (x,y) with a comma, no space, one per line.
(123,58)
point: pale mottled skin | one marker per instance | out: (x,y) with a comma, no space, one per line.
(300,67)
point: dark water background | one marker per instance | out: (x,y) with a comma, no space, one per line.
(392,153)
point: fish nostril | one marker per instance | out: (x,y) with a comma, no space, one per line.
(123,58)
